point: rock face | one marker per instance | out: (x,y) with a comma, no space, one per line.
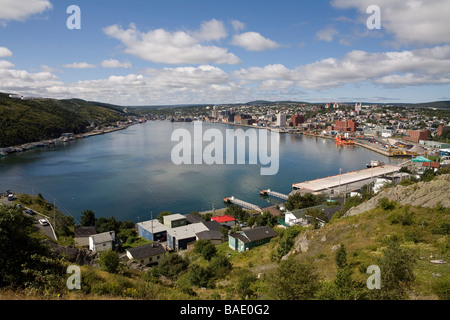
(424,194)
(75,255)
(302,242)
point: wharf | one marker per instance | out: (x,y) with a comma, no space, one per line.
(334,182)
(243,204)
(275,194)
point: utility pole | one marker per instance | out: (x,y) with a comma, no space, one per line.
(340,170)
(54,211)
(151,219)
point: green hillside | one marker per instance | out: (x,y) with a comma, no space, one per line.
(24,121)
(329,263)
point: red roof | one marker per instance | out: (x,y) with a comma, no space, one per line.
(432,164)
(224,218)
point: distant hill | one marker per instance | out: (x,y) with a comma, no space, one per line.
(434,105)
(24,121)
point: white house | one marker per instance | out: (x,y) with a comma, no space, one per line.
(295,217)
(149,254)
(379,183)
(102,241)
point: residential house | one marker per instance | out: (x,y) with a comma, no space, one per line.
(193,218)
(251,238)
(153,230)
(213,236)
(102,241)
(174,220)
(81,235)
(225,220)
(299,217)
(295,217)
(149,254)
(179,238)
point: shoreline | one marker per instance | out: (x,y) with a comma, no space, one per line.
(359,144)
(49,142)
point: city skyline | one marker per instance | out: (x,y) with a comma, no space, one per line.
(189,52)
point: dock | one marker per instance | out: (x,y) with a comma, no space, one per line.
(360,177)
(275,194)
(243,204)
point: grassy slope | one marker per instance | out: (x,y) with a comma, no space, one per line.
(23,121)
(364,237)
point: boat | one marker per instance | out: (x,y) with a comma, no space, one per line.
(374,164)
(344,140)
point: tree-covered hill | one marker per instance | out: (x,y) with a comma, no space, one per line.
(24,121)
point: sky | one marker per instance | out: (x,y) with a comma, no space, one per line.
(164,52)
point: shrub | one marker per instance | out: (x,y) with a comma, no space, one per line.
(220,266)
(441,288)
(173,265)
(109,261)
(406,182)
(209,251)
(199,276)
(385,204)
(443,228)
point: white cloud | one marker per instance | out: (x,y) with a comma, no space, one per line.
(211,30)
(411,22)
(112,63)
(409,67)
(178,47)
(6,65)
(5,52)
(253,41)
(188,77)
(79,65)
(326,34)
(238,25)
(273,71)
(20,10)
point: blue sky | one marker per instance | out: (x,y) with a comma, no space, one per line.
(196,51)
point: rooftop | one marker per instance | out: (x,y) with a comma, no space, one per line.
(84,231)
(147,250)
(187,231)
(224,218)
(103,237)
(255,234)
(174,217)
(153,226)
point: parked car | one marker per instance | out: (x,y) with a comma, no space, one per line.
(30,212)
(43,222)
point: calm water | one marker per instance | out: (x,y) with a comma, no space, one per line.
(129,174)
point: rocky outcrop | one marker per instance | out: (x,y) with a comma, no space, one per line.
(424,194)
(302,242)
(79,256)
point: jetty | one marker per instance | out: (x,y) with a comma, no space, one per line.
(345,179)
(243,204)
(275,194)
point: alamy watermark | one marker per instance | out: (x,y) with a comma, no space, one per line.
(74,280)
(374,21)
(190,150)
(374,281)
(74,20)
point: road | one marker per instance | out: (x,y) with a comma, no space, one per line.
(47,230)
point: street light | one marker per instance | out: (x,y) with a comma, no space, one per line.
(340,170)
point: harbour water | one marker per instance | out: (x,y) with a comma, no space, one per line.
(129,174)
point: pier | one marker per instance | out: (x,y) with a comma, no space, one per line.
(275,194)
(243,204)
(355,179)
